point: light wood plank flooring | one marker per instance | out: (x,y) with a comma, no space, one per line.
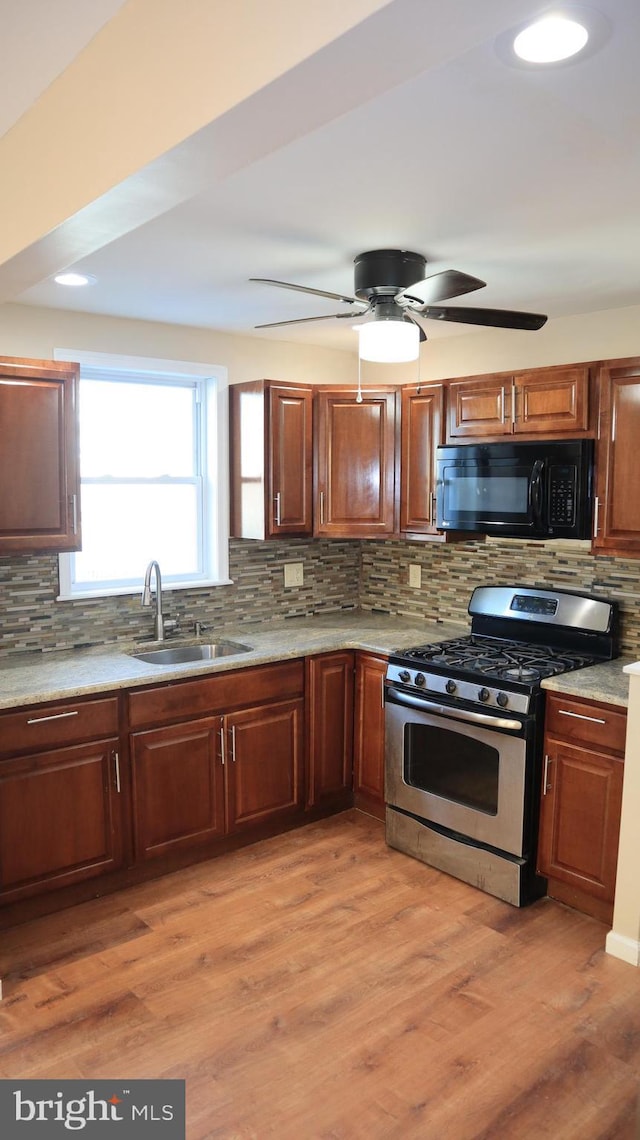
(319,986)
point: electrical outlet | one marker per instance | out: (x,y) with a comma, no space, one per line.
(415,575)
(293,574)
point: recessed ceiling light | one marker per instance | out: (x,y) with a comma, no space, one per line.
(74,279)
(551,39)
(565,34)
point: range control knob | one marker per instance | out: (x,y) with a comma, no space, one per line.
(483,694)
(502,700)
(405,676)
(420,680)
(451,686)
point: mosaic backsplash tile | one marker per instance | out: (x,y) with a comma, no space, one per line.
(449,574)
(337,575)
(31,618)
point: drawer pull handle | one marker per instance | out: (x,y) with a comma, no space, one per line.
(581,716)
(54,716)
(233,743)
(223,750)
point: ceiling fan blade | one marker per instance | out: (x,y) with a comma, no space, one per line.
(315,292)
(412,317)
(438,287)
(303,320)
(495,318)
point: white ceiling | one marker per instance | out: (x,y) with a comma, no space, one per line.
(427,141)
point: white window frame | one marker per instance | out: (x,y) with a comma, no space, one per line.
(216,489)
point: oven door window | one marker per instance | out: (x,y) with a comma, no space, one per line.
(456,767)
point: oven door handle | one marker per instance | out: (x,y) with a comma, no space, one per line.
(454,713)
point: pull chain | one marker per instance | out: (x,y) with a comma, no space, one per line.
(359,394)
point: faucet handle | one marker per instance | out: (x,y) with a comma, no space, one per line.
(199,628)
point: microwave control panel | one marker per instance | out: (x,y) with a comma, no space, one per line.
(562,494)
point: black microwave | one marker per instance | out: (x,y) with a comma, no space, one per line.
(516,490)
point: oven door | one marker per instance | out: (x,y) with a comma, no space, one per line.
(452,767)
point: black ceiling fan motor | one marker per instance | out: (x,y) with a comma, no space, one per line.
(386,272)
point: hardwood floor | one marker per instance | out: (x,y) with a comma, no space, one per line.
(320,986)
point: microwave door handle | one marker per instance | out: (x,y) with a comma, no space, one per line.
(535,492)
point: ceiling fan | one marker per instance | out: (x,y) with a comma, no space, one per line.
(390,285)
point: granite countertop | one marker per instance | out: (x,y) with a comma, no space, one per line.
(32,678)
(607,682)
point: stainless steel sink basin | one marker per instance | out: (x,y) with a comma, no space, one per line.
(178,654)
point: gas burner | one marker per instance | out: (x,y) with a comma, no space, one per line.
(520,673)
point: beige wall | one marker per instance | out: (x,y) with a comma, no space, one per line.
(29,331)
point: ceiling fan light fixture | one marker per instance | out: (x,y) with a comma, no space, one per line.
(389,341)
(550,40)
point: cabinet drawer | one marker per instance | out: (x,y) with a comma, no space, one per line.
(586,721)
(49,726)
(222,693)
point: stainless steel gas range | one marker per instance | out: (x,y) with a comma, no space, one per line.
(464,725)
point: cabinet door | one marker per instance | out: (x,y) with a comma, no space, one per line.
(290,458)
(617,514)
(264,763)
(270,454)
(355,464)
(368,734)
(422,409)
(580,818)
(330,729)
(551,400)
(60,818)
(39,491)
(178,786)
(480,406)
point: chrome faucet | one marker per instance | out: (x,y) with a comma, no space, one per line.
(158,617)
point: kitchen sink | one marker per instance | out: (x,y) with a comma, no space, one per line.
(178,654)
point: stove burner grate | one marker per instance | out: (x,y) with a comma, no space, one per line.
(510,660)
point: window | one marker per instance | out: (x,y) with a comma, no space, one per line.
(152,475)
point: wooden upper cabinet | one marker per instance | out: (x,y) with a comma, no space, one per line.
(422,427)
(547,401)
(39,480)
(555,400)
(617,513)
(479,406)
(355,463)
(271,459)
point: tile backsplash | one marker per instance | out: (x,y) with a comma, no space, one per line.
(30,617)
(337,575)
(449,574)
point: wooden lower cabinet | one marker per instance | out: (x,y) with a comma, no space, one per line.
(368,734)
(177,786)
(60,818)
(330,729)
(196,781)
(264,764)
(581,803)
